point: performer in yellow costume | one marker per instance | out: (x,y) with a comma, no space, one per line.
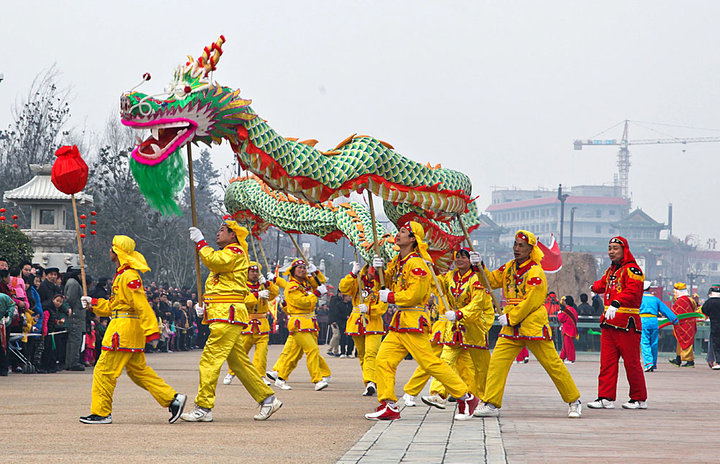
(365,323)
(224,310)
(408,279)
(132,325)
(257,333)
(466,330)
(301,296)
(524,323)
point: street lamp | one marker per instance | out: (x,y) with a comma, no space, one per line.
(572,224)
(562,197)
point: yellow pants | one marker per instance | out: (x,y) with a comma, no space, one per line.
(109,367)
(393,350)
(297,344)
(419,378)
(367,349)
(686,354)
(502,359)
(224,343)
(261,350)
(471,364)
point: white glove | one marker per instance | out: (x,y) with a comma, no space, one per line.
(610,312)
(5,320)
(322,289)
(363,308)
(475,259)
(200,310)
(195,235)
(264,294)
(378,262)
(271,277)
(451,316)
(86,301)
(262,280)
(356,267)
(503,320)
(383,294)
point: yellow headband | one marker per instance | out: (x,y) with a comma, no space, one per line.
(124,247)
(536,254)
(240,232)
(255,265)
(417,230)
(295,262)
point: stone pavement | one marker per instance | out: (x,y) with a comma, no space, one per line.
(678,426)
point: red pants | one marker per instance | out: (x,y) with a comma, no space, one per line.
(615,343)
(524,353)
(568,348)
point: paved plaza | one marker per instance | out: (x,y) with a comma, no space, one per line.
(39,417)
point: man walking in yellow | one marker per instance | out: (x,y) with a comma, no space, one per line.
(301,295)
(524,323)
(224,310)
(469,317)
(365,323)
(133,324)
(257,333)
(408,279)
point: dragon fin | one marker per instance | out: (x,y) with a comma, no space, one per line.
(292,139)
(331,152)
(310,142)
(345,142)
(386,145)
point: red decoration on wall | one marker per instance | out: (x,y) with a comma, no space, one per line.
(15,226)
(2,210)
(92,232)
(93,213)
(69,172)
(93,222)
(15,216)
(82,235)
(83,217)
(83,226)
(2,218)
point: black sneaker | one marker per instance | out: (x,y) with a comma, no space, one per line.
(688,364)
(675,361)
(176,407)
(95,419)
(77,368)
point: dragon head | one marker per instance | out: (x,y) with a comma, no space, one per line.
(193,109)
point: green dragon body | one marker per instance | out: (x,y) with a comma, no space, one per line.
(199,110)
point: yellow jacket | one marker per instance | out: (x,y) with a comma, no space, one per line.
(475,314)
(525,288)
(301,299)
(133,322)
(257,308)
(372,322)
(409,280)
(226,286)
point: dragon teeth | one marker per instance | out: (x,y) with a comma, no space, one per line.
(155,133)
(155,148)
(138,140)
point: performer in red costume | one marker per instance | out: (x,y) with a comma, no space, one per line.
(684,331)
(621,328)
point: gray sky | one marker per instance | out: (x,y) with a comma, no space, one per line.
(498,90)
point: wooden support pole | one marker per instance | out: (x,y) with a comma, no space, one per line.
(376,244)
(481,272)
(79,242)
(198,279)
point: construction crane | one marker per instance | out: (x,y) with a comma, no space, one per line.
(623,161)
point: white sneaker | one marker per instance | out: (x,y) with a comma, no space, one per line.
(272,375)
(282,385)
(575,410)
(601,403)
(567,361)
(328,379)
(321,385)
(634,404)
(343,356)
(198,415)
(266,381)
(715,366)
(409,400)
(268,409)
(370,389)
(228,379)
(487,410)
(434,400)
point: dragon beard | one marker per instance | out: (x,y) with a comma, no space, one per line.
(161,183)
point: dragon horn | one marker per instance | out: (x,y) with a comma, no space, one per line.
(211,55)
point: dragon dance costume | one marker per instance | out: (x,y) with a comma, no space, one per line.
(622,285)
(225,312)
(525,287)
(685,330)
(132,325)
(301,296)
(408,280)
(367,329)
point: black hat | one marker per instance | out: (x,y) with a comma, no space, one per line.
(52,269)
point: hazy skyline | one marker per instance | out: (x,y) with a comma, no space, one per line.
(498,90)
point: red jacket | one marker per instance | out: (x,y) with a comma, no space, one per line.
(569,323)
(622,283)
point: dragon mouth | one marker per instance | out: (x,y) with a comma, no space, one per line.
(165,138)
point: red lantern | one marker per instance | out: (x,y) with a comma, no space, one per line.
(93,222)
(69,172)
(82,235)
(83,226)
(15,216)
(2,218)
(83,217)
(92,232)
(15,226)
(93,213)
(2,210)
